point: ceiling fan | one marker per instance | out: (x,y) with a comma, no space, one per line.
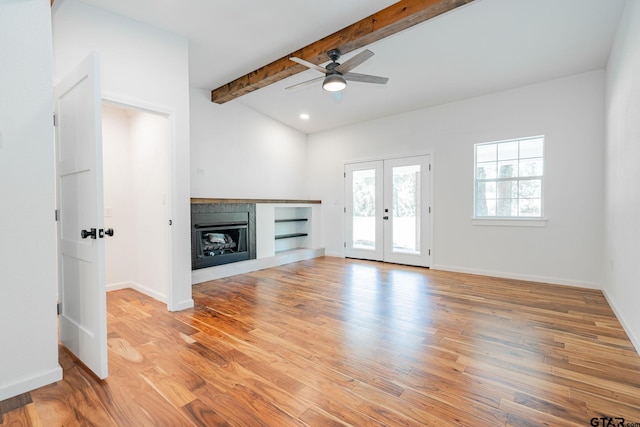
(336,74)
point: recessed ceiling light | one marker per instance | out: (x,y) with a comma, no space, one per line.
(304,116)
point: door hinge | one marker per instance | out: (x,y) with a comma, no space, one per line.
(429,209)
(345,174)
(54,119)
(345,210)
(429,166)
(57,215)
(429,251)
(59,308)
(344,244)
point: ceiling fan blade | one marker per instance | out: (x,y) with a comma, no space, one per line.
(317,79)
(308,64)
(352,63)
(365,78)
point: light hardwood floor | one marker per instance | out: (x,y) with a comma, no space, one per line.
(338,342)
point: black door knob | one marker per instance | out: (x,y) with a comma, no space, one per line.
(84,233)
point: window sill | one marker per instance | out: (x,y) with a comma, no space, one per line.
(510,222)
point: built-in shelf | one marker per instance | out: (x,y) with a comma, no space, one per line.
(297,220)
(287,227)
(290,236)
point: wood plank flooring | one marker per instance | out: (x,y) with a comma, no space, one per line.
(333,342)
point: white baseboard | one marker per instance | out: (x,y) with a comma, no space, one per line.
(630,333)
(227,270)
(516,276)
(33,382)
(335,254)
(140,288)
(118,286)
(182,305)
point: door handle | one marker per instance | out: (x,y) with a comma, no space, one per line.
(84,233)
(102,232)
(385,217)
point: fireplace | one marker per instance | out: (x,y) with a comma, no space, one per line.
(222,234)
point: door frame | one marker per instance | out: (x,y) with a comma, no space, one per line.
(430,214)
(169,114)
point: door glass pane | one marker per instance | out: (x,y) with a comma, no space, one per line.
(364,209)
(406,209)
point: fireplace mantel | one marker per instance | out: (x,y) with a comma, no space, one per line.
(197,201)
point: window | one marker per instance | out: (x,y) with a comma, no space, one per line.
(508,178)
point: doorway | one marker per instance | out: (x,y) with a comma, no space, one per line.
(137,158)
(136,187)
(387,210)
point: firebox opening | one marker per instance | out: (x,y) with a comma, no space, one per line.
(220,238)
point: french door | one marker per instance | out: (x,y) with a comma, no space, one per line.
(387,210)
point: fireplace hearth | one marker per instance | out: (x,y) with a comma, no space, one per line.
(222,234)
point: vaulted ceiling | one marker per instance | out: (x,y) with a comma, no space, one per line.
(482,47)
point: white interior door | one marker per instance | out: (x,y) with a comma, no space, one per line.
(83,319)
(387,210)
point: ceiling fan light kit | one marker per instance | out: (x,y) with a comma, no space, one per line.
(334,83)
(337,75)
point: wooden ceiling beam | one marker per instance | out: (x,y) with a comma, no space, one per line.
(393,19)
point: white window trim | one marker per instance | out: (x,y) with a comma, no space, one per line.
(511,222)
(517,221)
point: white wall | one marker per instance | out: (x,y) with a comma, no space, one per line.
(568,111)
(146,67)
(239,153)
(135,188)
(622,203)
(28,295)
(149,183)
(116,149)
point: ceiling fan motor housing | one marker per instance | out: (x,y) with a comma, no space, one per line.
(331,68)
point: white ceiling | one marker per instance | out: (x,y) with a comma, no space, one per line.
(483,47)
